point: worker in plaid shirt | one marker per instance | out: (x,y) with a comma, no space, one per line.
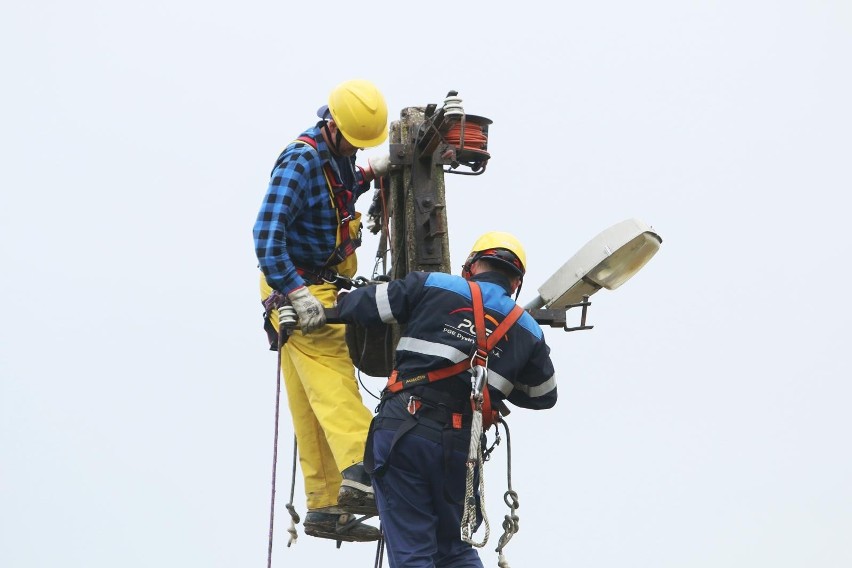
(305,238)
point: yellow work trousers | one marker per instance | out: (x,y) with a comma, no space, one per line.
(329,417)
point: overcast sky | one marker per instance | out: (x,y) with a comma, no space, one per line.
(703,422)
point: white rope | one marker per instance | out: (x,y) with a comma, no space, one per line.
(294,535)
(474,461)
(510,527)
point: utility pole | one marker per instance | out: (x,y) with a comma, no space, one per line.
(426,143)
(420,239)
(423,142)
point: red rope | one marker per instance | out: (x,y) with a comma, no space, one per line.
(474,136)
(385,211)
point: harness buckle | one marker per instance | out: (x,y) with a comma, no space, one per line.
(330,277)
(414,405)
(335,279)
(479,358)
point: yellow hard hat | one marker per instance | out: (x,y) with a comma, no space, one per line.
(359,111)
(502,247)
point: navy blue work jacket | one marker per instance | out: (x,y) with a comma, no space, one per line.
(437,311)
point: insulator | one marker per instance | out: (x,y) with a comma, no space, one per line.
(453,106)
(287,316)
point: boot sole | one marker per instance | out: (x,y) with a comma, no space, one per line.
(342,536)
(357,506)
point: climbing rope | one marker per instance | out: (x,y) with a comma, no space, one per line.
(274,452)
(475,460)
(286,316)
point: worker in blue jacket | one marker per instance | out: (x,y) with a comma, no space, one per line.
(419,439)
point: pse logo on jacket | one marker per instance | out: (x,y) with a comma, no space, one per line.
(465,329)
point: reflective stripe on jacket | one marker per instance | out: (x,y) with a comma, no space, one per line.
(438,314)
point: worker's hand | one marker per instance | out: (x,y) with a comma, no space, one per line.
(308,308)
(379,165)
(374,224)
(376,212)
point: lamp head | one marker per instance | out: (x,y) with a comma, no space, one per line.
(607,261)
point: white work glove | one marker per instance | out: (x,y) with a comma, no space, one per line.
(308,308)
(380,165)
(374,224)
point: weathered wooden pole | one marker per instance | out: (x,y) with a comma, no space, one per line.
(420,240)
(422,142)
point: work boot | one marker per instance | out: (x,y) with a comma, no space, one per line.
(340,526)
(356,491)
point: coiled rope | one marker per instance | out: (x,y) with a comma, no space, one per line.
(467,135)
(475,460)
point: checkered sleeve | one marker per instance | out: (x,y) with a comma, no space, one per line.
(285,199)
(362,185)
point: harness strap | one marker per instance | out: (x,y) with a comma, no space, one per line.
(343,203)
(484,344)
(419,408)
(324,276)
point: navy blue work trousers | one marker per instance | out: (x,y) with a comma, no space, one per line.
(420,503)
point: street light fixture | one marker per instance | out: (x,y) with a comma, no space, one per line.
(607,261)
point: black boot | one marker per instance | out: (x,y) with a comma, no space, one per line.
(339,526)
(356,491)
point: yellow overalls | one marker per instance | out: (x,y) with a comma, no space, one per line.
(329,417)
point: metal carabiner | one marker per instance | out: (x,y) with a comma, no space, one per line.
(478,380)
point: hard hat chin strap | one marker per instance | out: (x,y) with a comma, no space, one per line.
(466,273)
(333,141)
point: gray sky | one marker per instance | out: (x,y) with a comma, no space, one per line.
(704,422)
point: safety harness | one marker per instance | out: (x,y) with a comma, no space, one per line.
(348,222)
(437,405)
(484,344)
(343,202)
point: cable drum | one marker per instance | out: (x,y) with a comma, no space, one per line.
(469,137)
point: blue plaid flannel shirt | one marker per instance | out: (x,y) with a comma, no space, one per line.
(297,223)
